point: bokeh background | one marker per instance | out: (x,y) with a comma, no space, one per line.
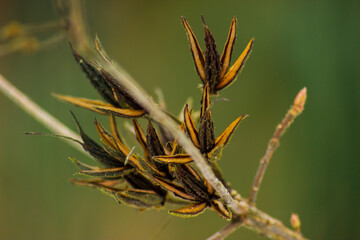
(314,173)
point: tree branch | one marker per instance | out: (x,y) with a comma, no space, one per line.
(294,111)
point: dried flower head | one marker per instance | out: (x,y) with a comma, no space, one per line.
(163,171)
(211,68)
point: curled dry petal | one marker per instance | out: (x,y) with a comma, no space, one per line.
(196,52)
(177,190)
(205,100)
(116,144)
(190,211)
(224,138)
(114,129)
(97,151)
(102,108)
(121,112)
(228,48)
(83,102)
(235,69)
(190,126)
(177,158)
(223,211)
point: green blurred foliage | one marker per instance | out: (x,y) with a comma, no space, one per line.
(314,173)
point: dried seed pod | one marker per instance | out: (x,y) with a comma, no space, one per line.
(96,78)
(211,68)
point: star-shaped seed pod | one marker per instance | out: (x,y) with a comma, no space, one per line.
(204,138)
(212,68)
(114,155)
(119,101)
(176,155)
(152,148)
(196,190)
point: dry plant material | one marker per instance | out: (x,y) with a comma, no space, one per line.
(164,172)
(213,69)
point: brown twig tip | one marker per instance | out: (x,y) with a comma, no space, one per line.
(295,222)
(300,100)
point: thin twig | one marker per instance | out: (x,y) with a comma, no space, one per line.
(37,112)
(269,226)
(260,222)
(226,231)
(294,111)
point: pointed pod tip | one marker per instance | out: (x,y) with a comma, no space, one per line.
(244,116)
(186,107)
(56,95)
(234,19)
(203,20)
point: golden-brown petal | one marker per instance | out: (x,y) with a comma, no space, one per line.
(235,69)
(121,112)
(178,158)
(175,143)
(84,103)
(224,138)
(177,190)
(105,137)
(190,211)
(115,144)
(190,126)
(114,129)
(223,211)
(196,52)
(228,48)
(209,187)
(192,171)
(205,101)
(141,138)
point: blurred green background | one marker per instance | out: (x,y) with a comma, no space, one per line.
(314,173)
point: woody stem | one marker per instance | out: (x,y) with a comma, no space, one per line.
(294,111)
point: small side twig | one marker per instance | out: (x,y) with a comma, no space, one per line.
(227,230)
(294,111)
